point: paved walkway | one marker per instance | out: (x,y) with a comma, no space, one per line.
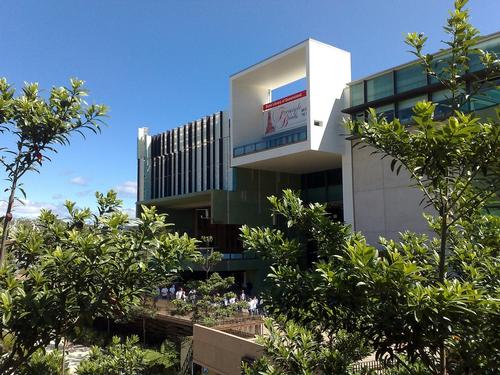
(74,355)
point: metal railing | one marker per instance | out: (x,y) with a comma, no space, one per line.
(372,367)
(297,135)
(243,255)
(186,367)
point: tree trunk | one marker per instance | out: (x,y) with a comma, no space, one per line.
(442,272)
(6,221)
(442,250)
(63,355)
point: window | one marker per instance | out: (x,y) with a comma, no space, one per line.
(379,87)
(410,78)
(475,63)
(360,116)
(443,104)
(357,94)
(405,108)
(386,111)
(488,96)
(438,65)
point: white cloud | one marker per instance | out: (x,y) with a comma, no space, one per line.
(130,212)
(31,209)
(127,188)
(79,180)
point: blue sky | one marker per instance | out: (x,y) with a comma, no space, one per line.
(163,63)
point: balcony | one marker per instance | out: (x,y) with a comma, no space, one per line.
(237,255)
(294,136)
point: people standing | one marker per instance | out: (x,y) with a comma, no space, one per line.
(164,292)
(172,292)
(180,294)
(253,303)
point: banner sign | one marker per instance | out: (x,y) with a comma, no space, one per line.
(285,113)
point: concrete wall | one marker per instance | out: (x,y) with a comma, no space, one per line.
(384,203)
(328,70)
(222,352)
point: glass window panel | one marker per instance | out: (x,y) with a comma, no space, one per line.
(334,177)
(360,116)
(379,87)
(405,108)
(438,65)
(475,63)
(316,194)
(440,96)
(442,99)
(487,97)
(386,111)
(315,180)
(357,94)
(410,78)
(334,193)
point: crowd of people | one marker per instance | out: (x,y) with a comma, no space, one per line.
(254,304)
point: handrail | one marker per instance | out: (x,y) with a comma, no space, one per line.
(297,135)
(186,365)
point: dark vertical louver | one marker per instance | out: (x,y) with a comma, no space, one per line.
(202,155)
(208,154)
(221,154)
(175,169)
(214,149)
(179,162)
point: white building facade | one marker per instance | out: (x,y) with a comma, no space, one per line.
(227,163)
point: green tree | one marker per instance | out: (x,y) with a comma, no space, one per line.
(43,363)
(37,125)
(291,348)
(65,272)
(127,357)
(455,162)
(323,319)
(206,305)
(209,256)
(385,300)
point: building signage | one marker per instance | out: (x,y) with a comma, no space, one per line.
(285,113)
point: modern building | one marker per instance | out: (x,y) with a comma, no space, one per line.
(214,174)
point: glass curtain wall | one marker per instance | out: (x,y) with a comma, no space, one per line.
(379,87)
(357,94)
(410,77)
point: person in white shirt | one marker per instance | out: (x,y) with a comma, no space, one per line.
(172,291)
(253,306)
(243,296)
(180,294)
(164,292)
(250,306)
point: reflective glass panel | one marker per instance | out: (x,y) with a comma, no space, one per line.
(357,94)
(405,108)
(410,78)
(379,87)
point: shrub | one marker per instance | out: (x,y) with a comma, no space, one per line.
(43,363)
(127,357)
